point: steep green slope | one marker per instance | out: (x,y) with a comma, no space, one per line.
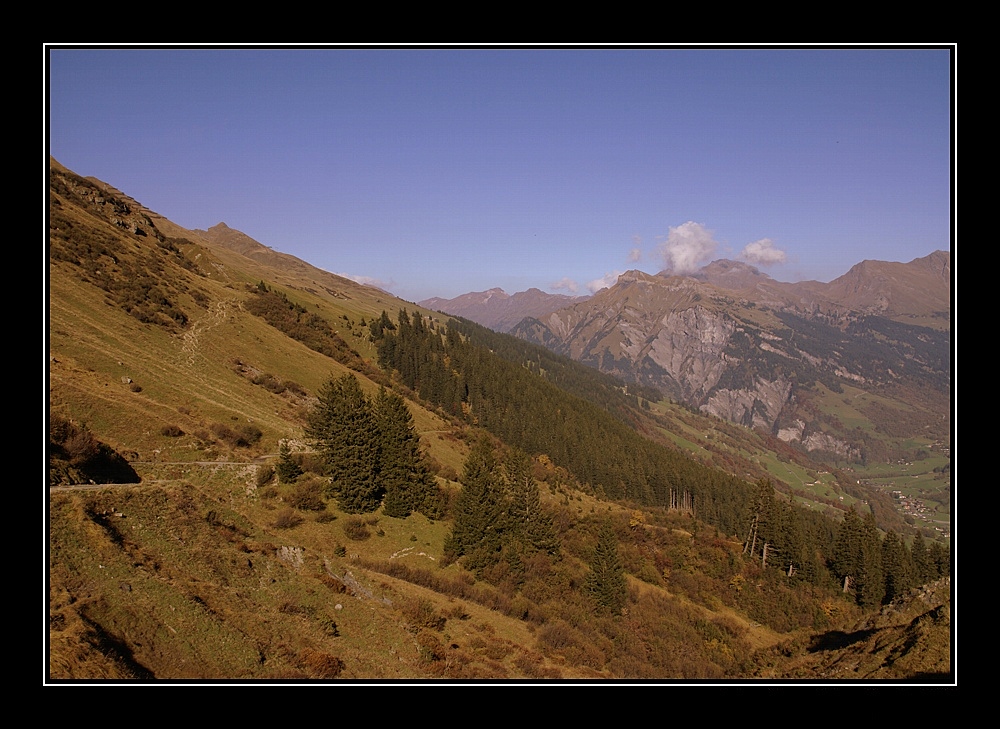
(212,568)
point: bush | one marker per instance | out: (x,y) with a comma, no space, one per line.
(356,529)
(321,665)
(269,382)
(76,456)
(307,495)
(295,387)
(310,462)
(81,447)
(287,519)
(264,476)
(420,613)
(243,437)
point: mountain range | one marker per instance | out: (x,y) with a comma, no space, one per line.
(499,310)
(734,343)
(193,531)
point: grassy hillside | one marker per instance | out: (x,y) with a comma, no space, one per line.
(210,567)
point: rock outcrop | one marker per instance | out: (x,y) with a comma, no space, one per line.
(739,345)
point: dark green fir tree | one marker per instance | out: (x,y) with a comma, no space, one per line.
(606,582)
(342,427)
(404,475)
(897,566)
(478,531)
(528,523)
(287,468)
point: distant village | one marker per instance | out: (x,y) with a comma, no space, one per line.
(913,506)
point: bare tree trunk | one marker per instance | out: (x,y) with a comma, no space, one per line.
(751,542)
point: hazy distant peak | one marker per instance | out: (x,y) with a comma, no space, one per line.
(632,275)
(497,309)
(726,266)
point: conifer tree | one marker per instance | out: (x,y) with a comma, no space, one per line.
(606,583)
(940,558)
(761,514)
(923,566)
(870,583)
(897,565)
(477,533)
(342,427)
(847,548)
(403,474)
(528,523)
(287,469)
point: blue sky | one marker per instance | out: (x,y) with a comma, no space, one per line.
(433,172)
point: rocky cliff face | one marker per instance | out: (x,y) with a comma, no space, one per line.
(671,333)
(738,345)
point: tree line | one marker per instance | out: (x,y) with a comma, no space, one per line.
(877,569)
(453,370)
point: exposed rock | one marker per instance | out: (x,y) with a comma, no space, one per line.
(757,408)
(829,444)
(741,346)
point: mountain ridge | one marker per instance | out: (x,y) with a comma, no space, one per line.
(205,569)
(736,344)
(496,309)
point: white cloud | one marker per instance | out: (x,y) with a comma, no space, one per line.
(605,282)
(763,252)
(566,284)
(366,280)
(635,255)
(688,247)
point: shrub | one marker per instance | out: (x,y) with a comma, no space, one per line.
(243,437)
(310,462)
(307,495)
(329,626)
(75,447)
(356,529)
(321,665)
(251,434)
(287,519)
(295,387)
(333,583)
(558,635)
(81,447)
(264,475)
(420,613)
(269,382)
